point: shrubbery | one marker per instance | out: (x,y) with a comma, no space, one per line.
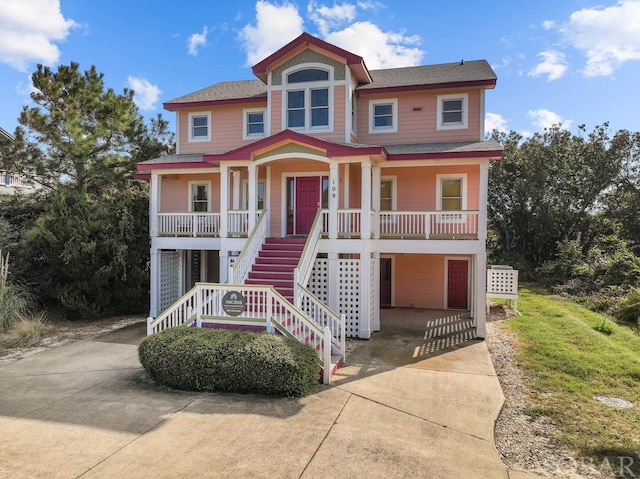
(235,361)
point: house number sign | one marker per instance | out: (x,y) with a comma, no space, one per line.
(233,303)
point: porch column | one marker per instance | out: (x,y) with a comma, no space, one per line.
(483,192)
(333,200)
(154,281)
(376,291)
(154,204)
(224,200)
(375,199)
(236,188)
(224,266)
(480,294)
(332,283)
(364,318)
(252,200)
(365,215)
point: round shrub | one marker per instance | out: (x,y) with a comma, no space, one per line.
(237,361)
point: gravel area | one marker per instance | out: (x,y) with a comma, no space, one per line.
(525,441)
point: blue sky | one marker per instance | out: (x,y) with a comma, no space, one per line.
(570,61)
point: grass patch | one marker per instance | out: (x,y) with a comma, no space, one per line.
(563,349)
(26,332)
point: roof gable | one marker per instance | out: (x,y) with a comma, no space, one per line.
(306,40)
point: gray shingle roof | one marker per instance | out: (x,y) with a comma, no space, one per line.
(191,158)
(457,147)
(476,70)
(229,90)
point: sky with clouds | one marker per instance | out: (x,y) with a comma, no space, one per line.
(571,61)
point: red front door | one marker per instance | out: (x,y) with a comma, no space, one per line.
(457,283)
(307,202)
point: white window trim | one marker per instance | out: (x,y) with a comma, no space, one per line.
(245,123)
(394,112)
(307,87)
(451,176)
(193,139)
(190,198)
(465,111)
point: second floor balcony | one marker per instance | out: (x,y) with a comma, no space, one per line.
(416,225)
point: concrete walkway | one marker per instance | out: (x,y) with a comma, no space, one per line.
(409,403)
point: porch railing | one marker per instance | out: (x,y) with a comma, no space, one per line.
(189,224)
(13,180)
(263,306)
(428,224)
(240,269)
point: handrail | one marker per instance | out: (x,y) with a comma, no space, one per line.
(238,272)
(324,316)
(180,313)
(310,251)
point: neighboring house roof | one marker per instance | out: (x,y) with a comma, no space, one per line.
(478,149)
(6,134)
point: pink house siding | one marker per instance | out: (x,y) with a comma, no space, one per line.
(417,115)
(175,192)
(419,281)
(276,111)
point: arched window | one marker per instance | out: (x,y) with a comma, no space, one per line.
(308,99)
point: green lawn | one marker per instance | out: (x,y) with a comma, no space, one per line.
(570,363)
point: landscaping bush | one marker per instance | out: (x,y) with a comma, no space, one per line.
(629,310)
(235,361)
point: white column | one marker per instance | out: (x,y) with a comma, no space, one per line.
(253,188)
(154,204)
(224,266)
(332,281)
(333,200)
(154,281)
(480,286)
(483,193)
(365,281)
(236,188)
(224,200)
(365,219)
(375,199)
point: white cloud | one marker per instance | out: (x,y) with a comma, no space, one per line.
(543,118)
(553,65)
(29,30)
(379,49)
(548,24)
(275,26)
(146,94)
(328,18)
(495,121)
(370,5)
(197,40)
(608,36)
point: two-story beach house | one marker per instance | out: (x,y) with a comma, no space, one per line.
(326,191)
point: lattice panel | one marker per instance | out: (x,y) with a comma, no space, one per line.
(349,294)
(319,280)
(372,293)
(501,281)
(169,278)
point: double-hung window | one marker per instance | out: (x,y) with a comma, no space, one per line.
(383,116)
(254,126)
(453,111)
(451,196)
(308,100)
(200,126)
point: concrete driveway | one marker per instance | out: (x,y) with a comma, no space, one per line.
(417,400)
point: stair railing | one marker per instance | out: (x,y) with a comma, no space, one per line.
(306,301)
(204,301)
(240,269)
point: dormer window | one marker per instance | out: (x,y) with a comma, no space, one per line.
(308,100)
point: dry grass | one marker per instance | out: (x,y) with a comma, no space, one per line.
(26,332)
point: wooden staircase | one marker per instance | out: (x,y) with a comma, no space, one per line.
(275,264)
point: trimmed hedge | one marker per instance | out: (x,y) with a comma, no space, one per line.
(236,361)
